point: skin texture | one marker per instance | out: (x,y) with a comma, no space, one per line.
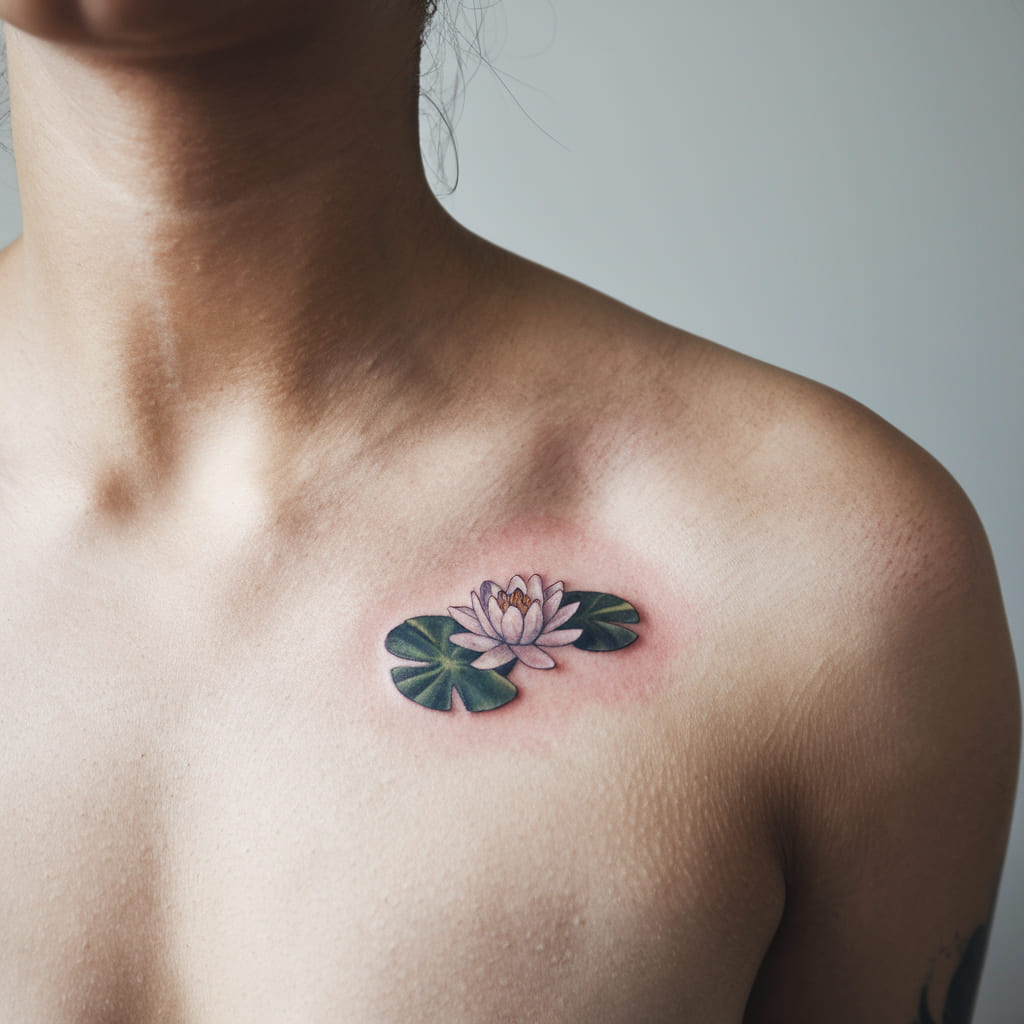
(261,401)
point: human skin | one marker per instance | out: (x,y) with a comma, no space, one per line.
(261,401)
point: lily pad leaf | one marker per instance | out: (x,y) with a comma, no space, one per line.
(599,616)
(443,667)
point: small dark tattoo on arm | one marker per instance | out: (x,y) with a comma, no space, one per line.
(963,986)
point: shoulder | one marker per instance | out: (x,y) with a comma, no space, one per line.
(854,640)
(836,564)
(900,669)
(797,522)
(892,735)
(757,454)
(817,490)
(862,548)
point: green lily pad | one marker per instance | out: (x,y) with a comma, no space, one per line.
(443,667)
(599,616)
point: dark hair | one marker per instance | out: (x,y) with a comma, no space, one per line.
(451,53)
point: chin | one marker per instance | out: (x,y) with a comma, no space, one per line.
(149,26)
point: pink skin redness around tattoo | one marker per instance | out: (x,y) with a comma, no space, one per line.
(540,625)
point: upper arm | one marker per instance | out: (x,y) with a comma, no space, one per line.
(896,783)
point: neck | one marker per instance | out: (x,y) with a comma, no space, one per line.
(202,232)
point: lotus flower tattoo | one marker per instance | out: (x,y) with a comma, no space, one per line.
(516,623)
(501,628)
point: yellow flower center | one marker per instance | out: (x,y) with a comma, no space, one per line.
(517,599)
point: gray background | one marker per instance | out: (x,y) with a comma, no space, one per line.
(835,188)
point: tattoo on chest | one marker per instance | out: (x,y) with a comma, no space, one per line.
(963,986)
(474,648)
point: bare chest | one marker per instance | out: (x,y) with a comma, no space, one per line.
(208,826)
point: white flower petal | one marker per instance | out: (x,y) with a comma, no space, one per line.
(466,618)
(494,614)
(551,604)
(563,615)
(559,638)
(485,622)
(473,641)
(512,625)
(500,655)
(533,623)
(554,588)
(487,588)
(535,589)
(516,583)
(533,657)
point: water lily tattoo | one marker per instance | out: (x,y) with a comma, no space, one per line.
(473,648)
(515,623)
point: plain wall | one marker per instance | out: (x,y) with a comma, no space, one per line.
(834,188)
